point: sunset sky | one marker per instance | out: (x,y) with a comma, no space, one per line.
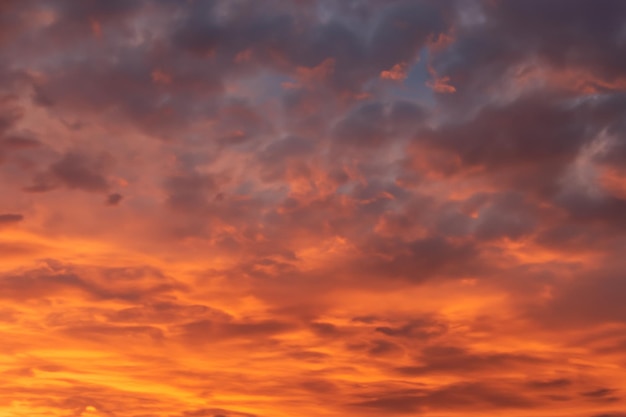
(312,208)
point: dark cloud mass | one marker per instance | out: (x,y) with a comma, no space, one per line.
(242,208)
(10,218)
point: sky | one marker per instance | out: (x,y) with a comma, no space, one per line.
(312,208)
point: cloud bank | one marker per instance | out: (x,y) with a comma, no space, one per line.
(313,208)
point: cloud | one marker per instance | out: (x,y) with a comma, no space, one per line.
(551,383)
(74,171)
(462,396)
(425,328)
(114,199)
(9,218)
(207,331)
(446,359)
(590,299)
(103,283)
(313,208)
(215,412)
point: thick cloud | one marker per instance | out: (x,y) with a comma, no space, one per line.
(52,280)
(9,218)
(462,397)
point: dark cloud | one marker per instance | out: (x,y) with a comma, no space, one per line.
(190,193)
(557,383)
(460,396)
(599,393)
(405,116)
(15,143)
(591,298)
(587,35)
(420,259)
(508,215)
(616,414)
(365,126)
(103,332)
(375,124)
(74,171)
(18,142)
(495,41)
(585,207)
(450,359)
(131,284)
(309,356)
(114,199)
(403,29)
(532,130)
(420,329)
(215,412)
(324,329)
(10,113)
(278,157)
(166,312)
(9,218)
(200,332)
(383,347)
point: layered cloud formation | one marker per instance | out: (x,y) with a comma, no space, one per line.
(241,208)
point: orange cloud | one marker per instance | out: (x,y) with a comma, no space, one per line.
(397,73)
(441,85)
